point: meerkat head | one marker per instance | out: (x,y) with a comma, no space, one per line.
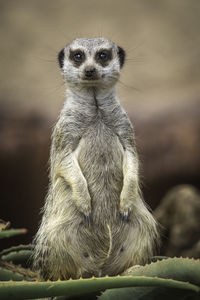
(91,62)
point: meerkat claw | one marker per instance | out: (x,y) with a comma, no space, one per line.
(88,218)
(125,215)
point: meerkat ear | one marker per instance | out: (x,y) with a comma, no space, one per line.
(121,55)
(61,56)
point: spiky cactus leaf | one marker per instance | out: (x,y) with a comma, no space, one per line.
(11,232)
(183,269)
(21,257)
(9,271)
(26,290)
(16,249)
(6,275)
(186,270)
(148,293)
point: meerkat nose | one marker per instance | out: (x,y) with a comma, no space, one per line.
(90,72)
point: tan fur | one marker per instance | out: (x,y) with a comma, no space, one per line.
(94,221)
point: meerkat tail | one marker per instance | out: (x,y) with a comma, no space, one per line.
(110,243)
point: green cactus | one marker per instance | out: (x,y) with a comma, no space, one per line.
(24,290)
(16,249)
(172,278)
(183,270)
(22,257)
(19,255)
(11,232)
(7,275)
(13,260)
(9,271)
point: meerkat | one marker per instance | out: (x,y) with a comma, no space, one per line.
(94,222)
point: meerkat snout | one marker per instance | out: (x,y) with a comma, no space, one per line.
(90,73)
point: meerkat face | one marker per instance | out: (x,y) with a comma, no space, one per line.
(91,62)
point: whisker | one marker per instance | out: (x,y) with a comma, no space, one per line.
(135,60)
(129,86)
(54,90)
(48,60)
(136,47)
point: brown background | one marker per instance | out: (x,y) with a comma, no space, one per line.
(159,88)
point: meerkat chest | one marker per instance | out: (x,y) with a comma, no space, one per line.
(100,146)
(94,135)
(100,157)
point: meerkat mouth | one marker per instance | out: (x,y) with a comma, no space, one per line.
(90,82)
(96,79)
(90,79)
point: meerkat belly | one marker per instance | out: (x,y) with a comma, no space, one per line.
(100,157)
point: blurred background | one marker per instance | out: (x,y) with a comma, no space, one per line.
(159,88)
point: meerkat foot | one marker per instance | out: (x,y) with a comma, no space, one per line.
(125,214)
(125,206)
(86,212)
(82,201)
(127,200)
(88,218)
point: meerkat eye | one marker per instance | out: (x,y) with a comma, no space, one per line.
(77,56)
(103,57)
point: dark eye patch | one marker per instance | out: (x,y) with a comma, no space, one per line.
(121,55)
(103,57)
(61,56)
(77,56)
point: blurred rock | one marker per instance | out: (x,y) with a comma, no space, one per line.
(179,216)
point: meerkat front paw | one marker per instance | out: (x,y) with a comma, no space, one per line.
(124,213)
(82,200)
(85,208)
(126,205)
